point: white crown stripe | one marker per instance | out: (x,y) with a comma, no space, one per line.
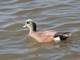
(28,20)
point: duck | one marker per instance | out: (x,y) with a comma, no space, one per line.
(46,36)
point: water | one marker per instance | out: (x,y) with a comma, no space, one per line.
(60,15)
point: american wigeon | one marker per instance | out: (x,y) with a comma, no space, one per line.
(45,36)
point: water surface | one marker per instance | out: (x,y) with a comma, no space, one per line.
(60,15)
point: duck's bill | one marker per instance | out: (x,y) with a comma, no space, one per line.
(24,26)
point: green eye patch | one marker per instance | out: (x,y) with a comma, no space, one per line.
(29,22)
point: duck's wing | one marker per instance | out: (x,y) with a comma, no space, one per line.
(47,33)
(62,35)
(43,37)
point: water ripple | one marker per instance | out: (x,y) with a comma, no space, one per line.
(7,2)
(61,15)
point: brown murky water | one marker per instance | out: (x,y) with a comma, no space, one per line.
(60,15)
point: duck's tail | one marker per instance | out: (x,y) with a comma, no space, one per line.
(62,35)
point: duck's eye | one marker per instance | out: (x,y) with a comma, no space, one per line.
(27,22)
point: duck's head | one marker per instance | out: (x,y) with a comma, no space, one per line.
(30,24)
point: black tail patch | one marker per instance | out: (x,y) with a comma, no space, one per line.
(63,35)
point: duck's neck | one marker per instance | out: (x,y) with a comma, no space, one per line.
(33,28)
